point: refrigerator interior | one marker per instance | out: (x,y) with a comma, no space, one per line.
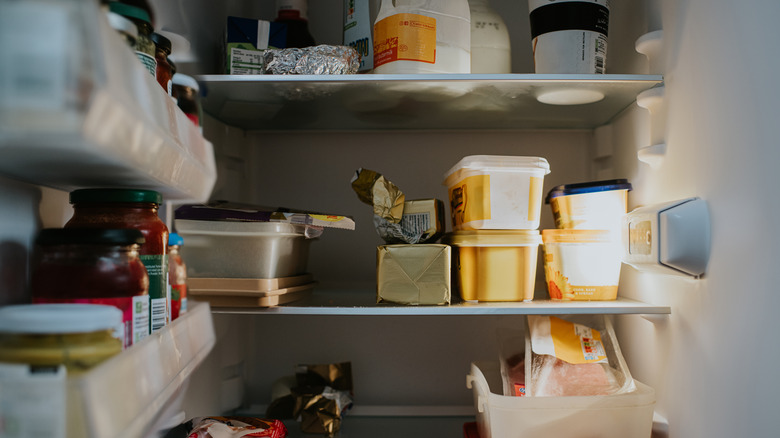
(710,361)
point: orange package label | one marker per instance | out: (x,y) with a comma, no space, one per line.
(470,200)
(405,37)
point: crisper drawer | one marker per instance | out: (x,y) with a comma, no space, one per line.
(628,415)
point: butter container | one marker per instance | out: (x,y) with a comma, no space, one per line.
(596,205)
(78,336)
(496,192)
(581,265)
(416,274)
(495,265)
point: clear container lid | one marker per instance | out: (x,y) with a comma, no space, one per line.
(577,236)
(62,318)
(494,238)
(499,163)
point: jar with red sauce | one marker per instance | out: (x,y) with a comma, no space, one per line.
(164,69)
(135,209)
(177,276)
(94,266)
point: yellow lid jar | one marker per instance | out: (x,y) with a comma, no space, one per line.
(78,336)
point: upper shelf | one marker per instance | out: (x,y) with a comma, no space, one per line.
(413,102)
(78,110)
(364,304)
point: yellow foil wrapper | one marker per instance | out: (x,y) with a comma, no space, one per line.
(373,189)
(414,274)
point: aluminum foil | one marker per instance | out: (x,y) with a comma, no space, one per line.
(316,60)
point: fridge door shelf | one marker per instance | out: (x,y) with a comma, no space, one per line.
(137,391)
(422,101)
(363,303)
(82,111)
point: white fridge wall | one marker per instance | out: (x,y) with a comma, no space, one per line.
(713,360)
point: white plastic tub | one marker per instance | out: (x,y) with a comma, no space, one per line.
(496,192)
(229,249)
(628,415)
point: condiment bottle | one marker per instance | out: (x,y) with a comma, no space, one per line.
(95,266)
(177,276)
(164,72)
(293,13)
(490,47)
(144,46)
(136,209)
(78,336)
(187,94)
(423,36)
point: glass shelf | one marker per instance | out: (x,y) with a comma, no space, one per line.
(363,303)
(415,102)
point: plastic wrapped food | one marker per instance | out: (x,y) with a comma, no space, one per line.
(317,60)
(234,427)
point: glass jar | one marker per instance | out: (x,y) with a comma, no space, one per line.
(124,27)
(164,72)
(136,209)
(144,46)
(78,336)
(293,13)
(187,95)
(94,266)
(177,276)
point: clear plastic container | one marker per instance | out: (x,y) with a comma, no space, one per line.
(495,265)
(422,36)
(496,192)
(490,47)
(581,265)
(78,336)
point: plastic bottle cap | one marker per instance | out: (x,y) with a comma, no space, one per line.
(58,318)
(115,195)
(175,239)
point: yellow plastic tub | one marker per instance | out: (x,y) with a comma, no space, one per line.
(597,205)
(496,192)
(581,265)
(495,265)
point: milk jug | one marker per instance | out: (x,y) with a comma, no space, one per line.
(490,48)
(422,36)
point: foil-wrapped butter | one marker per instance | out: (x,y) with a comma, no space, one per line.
(414,274)
(375,190)
(316,60)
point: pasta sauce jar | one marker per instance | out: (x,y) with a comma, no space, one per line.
(134,209)
(94,266)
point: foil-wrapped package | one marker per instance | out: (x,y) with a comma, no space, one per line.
(316,60)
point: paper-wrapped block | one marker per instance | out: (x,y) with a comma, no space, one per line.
(416,274)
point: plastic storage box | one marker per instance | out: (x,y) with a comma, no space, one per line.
(225,249)
(495,265)
(627,415)
(496,192)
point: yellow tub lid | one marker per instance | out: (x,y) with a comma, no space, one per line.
(576,236)
(494,238)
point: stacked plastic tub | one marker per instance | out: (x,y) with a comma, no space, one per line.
(582,255)
(496,202)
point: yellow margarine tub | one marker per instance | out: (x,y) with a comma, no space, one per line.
(495,265)
(581,265)
(596,205)
(496,192)
(78,336)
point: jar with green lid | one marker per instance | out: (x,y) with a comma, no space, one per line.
(136,209)
(78,336)
(144,46)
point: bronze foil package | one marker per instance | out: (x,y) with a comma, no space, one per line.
(316,60)
(414,274)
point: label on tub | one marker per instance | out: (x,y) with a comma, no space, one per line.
(496,202)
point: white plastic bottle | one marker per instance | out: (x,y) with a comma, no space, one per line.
(490,48)
(422,36)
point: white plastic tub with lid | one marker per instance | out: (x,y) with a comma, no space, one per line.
(627,415)
(496,192)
